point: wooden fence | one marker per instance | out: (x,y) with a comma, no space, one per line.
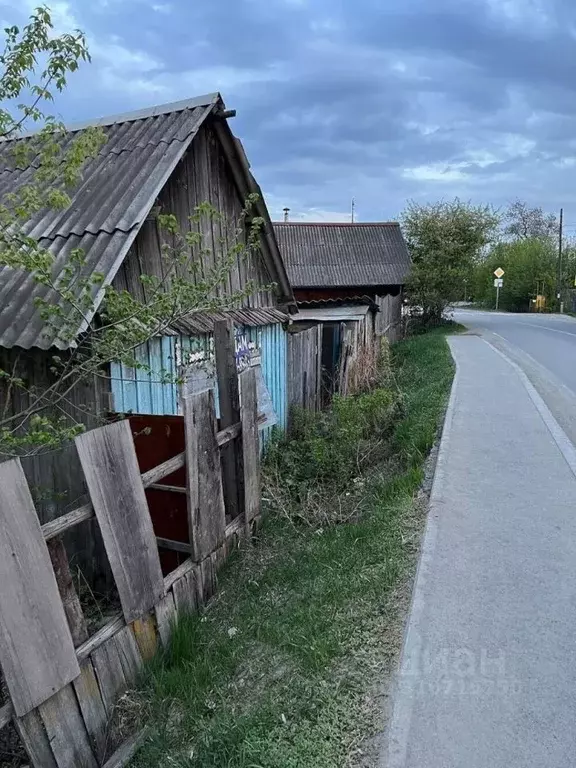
(63,685)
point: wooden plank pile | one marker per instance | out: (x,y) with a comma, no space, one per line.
(64,685)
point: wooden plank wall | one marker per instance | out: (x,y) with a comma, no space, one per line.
(63,697)
(304,367)
(203,175)
(389,318)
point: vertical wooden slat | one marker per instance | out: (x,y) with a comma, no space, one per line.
(111,469)
(250,446)
(36,649)
(109,672)
(92,708)
(66,731)
(229,400)
(165,616)
(185,592)
(68,594)
(206,516)
(146,637)
(35,740)
(129,654)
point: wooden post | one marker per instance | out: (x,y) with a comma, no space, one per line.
(229,399)
(70,601)
(206,515)
(250,447)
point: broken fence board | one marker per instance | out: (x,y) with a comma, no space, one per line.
(165,618)
(100,637)
(110,673)
(66,731)
(92,708)
(35,740)
(36,650)
(250,446)
(69,520)
(146,636)
(206,515)
(126,752)
(108,458)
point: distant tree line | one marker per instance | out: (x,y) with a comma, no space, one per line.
(456,246)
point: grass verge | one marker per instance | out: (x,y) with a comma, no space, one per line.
(283,669)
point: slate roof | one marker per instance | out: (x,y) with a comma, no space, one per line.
(117,191)
(330,255)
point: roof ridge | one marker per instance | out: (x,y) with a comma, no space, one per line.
(337,223)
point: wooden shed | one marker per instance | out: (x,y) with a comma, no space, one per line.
(168,158)
(345,262)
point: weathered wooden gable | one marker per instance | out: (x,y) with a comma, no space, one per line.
(203,175)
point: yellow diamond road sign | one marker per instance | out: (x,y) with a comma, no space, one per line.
(499,272)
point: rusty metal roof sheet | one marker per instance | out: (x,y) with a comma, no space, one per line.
(319,255)
(203,322)
(117,190)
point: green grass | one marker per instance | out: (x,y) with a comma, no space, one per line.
(280,671)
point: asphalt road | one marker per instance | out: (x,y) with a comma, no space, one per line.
(488,671)
(548,339)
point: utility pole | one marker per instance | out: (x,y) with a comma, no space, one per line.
(353,209)
(560,260)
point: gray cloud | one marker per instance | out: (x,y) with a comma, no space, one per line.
(382,101)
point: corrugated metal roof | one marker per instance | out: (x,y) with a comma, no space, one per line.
(203,322)
(117,191)
(319,255)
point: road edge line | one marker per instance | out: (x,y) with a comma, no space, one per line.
(395,745)
(565,445)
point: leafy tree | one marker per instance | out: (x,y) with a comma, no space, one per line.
(35,64)
(530,268)
(445,241)
(524,223)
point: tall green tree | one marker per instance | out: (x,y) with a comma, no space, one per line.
(445,240)
(529,265)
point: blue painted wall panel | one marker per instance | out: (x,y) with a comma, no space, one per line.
(145,392)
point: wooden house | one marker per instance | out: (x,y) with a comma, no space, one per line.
(348,281)
(170,159)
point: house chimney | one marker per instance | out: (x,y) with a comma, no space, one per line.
(286,212)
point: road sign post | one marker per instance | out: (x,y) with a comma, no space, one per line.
(498,283)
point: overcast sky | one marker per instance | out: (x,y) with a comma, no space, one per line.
(383,100)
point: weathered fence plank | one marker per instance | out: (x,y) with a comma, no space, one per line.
(250,446)
(185,592)
(66,731)
(92,708)
(36,649)
(165,617)
(229,401)
(35,740)
(100,637)
(110,466)
(109,672)
(146,637)
(206,515)
(129,654)
(126,752)
(68,594)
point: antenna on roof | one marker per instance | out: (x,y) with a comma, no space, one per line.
(286,212)
(353,209)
